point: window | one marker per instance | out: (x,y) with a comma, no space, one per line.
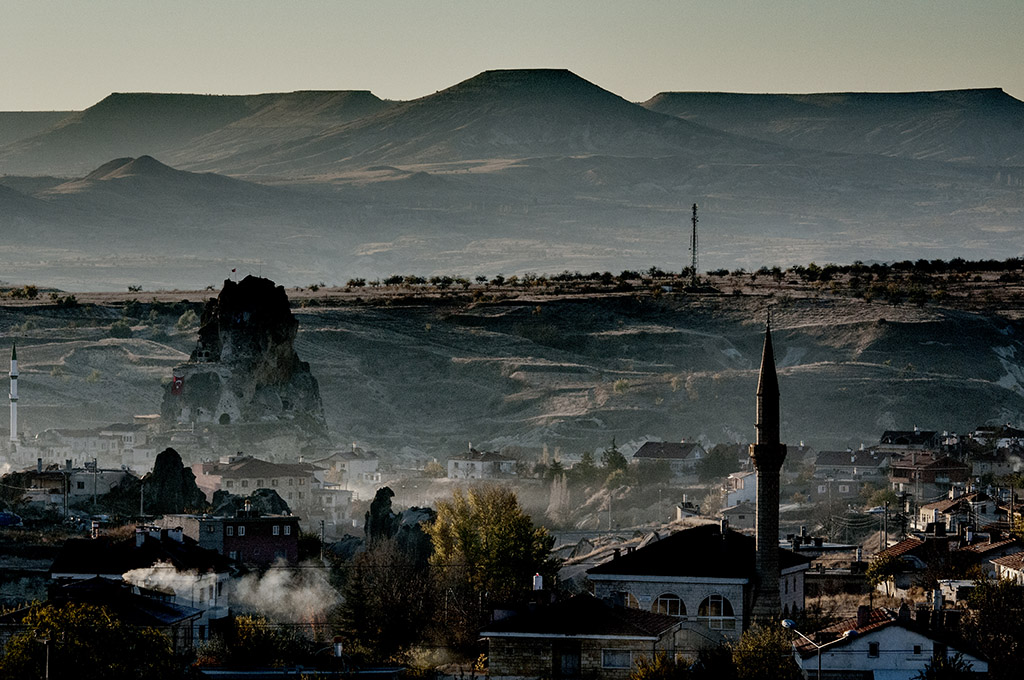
(245,482)
(300,495)
(669,604)
(873,650)
(821,488)
(630,600)
(844,488)
(259,483)
(273,482)
(241,530)
(220,588)
(209,529)
(228,484)
(289,495)
(233,555)
(566,659)
(917,649)
(80,485)
(301,482)
(211,594)
(229,530)
(287,530)
(290,481)
(715,612)
(277,530)
(616,658)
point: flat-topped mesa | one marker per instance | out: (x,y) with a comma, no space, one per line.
(244,368)
(767,455)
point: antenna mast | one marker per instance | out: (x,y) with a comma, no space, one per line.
(693,248)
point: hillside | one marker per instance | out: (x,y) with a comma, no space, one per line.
(569,370)
(15,125)
(178,126)
(980,127)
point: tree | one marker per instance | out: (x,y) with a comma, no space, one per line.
(86,642)
(882,569)
(388,602)
(612,459)
(487,531)
(946,668)
(660,667)
(720,462)
(252,641)
(994,623)
(765,653)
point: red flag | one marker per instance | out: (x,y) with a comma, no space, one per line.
(177,383)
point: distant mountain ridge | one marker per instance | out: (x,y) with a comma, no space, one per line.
(521,170)
(982,127)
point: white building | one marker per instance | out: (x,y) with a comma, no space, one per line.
(883,644)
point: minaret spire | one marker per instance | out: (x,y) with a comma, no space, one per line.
(14,392)
(767,454)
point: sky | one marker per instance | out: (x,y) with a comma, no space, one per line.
(68,55)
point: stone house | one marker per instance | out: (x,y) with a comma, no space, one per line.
(704,576)
(682,457)
(1010,567)
(739,516)
(481,465)
(249,537)
(582,637)
(926,475)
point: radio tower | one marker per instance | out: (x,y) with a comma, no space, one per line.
(693,249)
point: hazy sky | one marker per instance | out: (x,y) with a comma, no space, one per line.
(70,54)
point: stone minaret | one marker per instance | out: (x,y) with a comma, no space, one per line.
(767,454)
(14,393)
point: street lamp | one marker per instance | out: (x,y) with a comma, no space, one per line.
(789,624)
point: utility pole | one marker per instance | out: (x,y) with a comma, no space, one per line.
(885,528)
(95,477)
(142,495)
(693,248)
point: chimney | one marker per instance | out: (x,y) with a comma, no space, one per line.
(39,466)
(140,536)
(725,526)
(67,464)
(616,554)
(937,599)
(95,529)
(538,582)
(863,616)
(337,647)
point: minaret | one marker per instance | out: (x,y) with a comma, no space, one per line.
(14,393)
(767,455)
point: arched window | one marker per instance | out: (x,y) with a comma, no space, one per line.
(669,604)
(715,612)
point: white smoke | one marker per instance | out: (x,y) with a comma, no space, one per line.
(283,593)
(165,578)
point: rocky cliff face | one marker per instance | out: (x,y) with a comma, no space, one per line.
(244,369)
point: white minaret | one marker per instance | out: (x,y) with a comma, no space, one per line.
(14,393)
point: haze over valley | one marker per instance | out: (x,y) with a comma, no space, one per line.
(509,171)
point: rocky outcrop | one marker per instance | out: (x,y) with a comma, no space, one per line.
(244,369)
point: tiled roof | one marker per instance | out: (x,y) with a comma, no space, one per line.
(485,456)
(584,616)
(908,437)
(877,618)
(1014,561)
(254,467)
(990,546)
(948,503)
(867,458)
(700,551)
(666,450)
(132,608)
(903,547)
(97,556)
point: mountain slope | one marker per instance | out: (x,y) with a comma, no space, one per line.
(17,125)
(984,127)
(497,115)
(178,127)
